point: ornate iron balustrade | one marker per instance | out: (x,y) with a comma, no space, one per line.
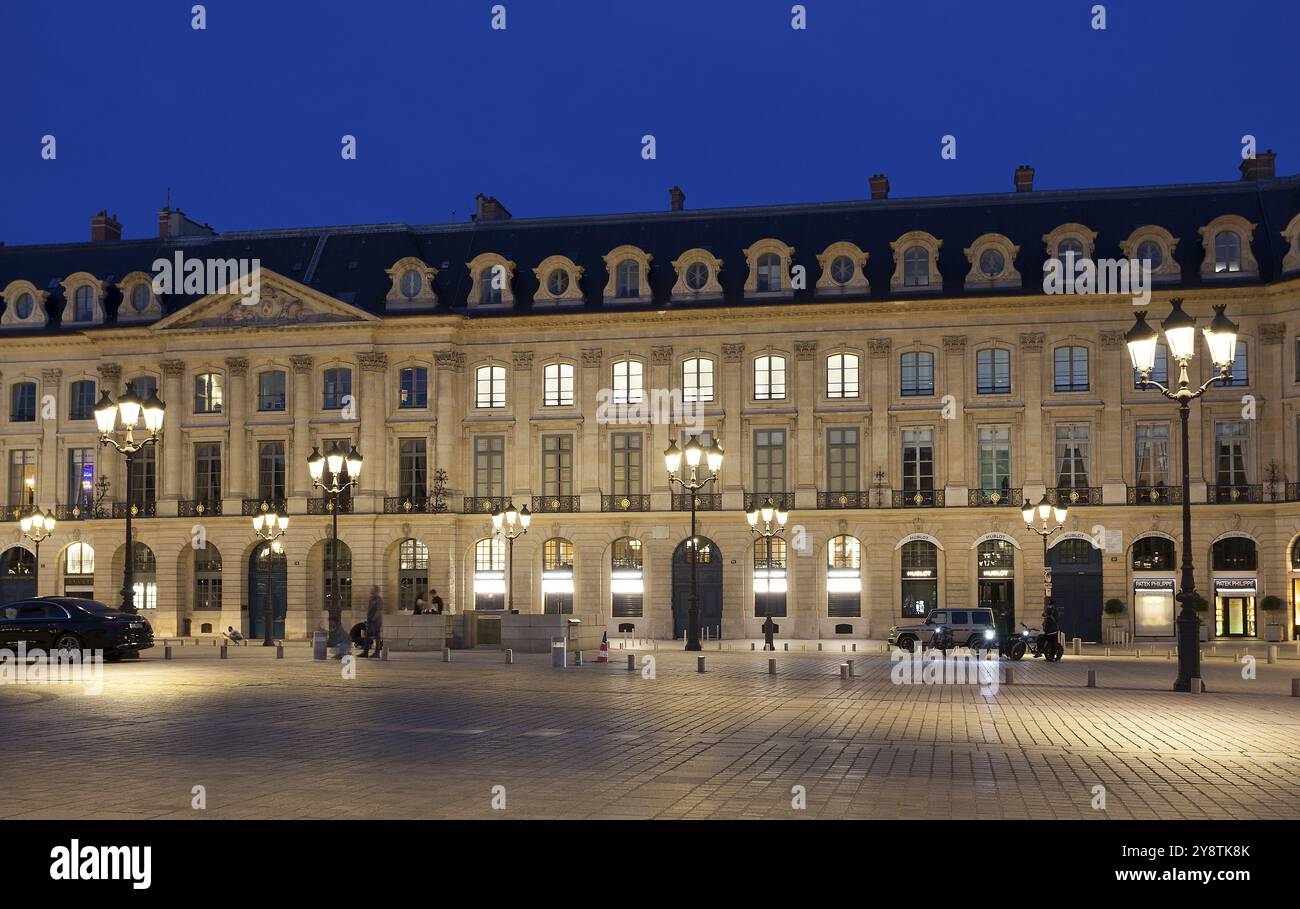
(326,505)
(483,504)
(407,504)
(198,508)
(556,504)
(80,512)
(1155,495)
(1234,493)
(858,498)
(625,503)
(918,498)
(779,499)
(981,498)
(1292,492)
(253,507)
(1070,496)
(704,501)
(147,509)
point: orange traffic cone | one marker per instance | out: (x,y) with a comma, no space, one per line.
(603,656)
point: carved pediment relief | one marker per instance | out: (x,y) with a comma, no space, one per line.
(280,302)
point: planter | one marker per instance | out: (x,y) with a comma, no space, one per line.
(1205,632)
(1273,633)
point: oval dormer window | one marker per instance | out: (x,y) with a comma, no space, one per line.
(140,298)
(23,308)
(412,282)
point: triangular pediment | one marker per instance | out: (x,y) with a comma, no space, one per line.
(279,302)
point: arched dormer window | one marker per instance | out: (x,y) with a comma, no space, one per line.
(1291,261)
(629,275)
(558,281)
(916,258)
(83,296)
(1226,241)
(1154,245)
(843,270)
(492,277)
(139,302)
(1070,239)
(24,306)
(697,276)
(992,263)
(412,286)
(769,263)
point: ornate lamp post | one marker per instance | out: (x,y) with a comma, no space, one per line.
(765,522)
(338,481)
(270,527)
(692,480)
(1180,336)
(1046,510)
(128,412)
(37,528)
(510,524)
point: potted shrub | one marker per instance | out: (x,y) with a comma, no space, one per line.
(1272,607)
(1114,608)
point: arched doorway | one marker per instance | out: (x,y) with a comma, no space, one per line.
(17,574)
(708,586)
(267,576)
(412,574)
(1076,587)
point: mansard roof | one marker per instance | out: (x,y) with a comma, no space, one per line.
(349,263)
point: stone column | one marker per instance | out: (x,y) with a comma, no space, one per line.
(956,478)
(1272,432)
(1037,462)
(108,464)
(734,461)
(47,452)
(173,437)
(880,351)
(654,478)
(592,360)
(297,479)
(523,481)
(450,365)
(802,481)
(1111,443)
(373,413)
(237,454)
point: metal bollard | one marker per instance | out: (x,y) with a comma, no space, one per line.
(844,670)
(1107,651)
(753,646)
(1198,686)
(1137,654)
(1010,677)
(699,664)
(850,669)
(446,654)
(1169,654)
(383,654)
(279,651)
(771,667)
(855,648)
(1272,653)
(577,658)
(510,656)
(631,663)
(1078,646)
(786,645)
(167,652)
(1092,678)
(223,651)
(819,646)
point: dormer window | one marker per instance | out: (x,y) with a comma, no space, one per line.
(412,285)
(769,263)
(1226,241)
(628,279)
(629,275)
(1070,242)
(842,270)
(24,307)
(1155,245)
(1149,251)
(557,281)
(84,304)
(697,276)
(916,257)
(769,273)
(84,294)
(1291,261)
(489,294)
(493,275)
(916,267)
(140,298)
(1227,252)
(992,263)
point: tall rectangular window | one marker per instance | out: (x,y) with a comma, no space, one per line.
(207,472)
(412,469)
(1160,371)
(625,463)
(769,461)
(144,478)
(841,460)
(917,378)
(769,378)
(1240,367)
(993,371)
(629,382)
(81,477)
(489,466)
(270,391)
(22,478)
(145,386)
(557,465)
(918,459)
(1070,368)
(1230,440)
(995,459)
(1072,455)
(207,393)
(557,379)
(337,388)
(413,390)
(1152,456)
(83,400)
(490,386)
(842,376)
(697,381)
(22,402)
(270,473)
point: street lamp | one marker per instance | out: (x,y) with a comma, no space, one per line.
(692,480)
(128,413)
(37,528)
(1180,335)
(334,473)
(510,524)
(1046,513)
(270,526)
(765,522)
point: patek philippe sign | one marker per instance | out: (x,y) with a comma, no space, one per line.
(1239,585)
(1153,584)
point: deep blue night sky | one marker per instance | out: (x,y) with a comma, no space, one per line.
(243,121)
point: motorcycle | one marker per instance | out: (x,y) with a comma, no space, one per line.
(941,639)
(1040,644)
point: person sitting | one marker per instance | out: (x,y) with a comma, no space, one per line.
(234,636)
(420,607)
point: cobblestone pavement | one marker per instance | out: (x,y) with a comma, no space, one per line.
(414,737)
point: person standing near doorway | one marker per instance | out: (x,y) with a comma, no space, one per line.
(374,621)
(436,604)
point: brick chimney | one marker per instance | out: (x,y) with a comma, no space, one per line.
(104,226)
(1259,167)
(489,209)
(879,186)
(677,198)
(1024,179)
(172,222)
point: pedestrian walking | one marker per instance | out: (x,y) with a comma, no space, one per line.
(374,622)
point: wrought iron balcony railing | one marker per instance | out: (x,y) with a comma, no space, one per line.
(1074,495)
(779,499)
(625,503)
(145,509)
(918,498)
(1155,495)
(407,504)
(556,504)
(704,501)
(1234,493)
(980,498)
(81,511)
(483,504)
(327,504)
(198,508)
(857,498)
(253,507)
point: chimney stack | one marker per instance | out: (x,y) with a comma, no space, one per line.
(104,227)
(487,208)
(172,222)
(1259,167)
(879,186)
(1024,179)
(677,197)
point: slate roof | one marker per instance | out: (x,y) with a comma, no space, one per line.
(352,260)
